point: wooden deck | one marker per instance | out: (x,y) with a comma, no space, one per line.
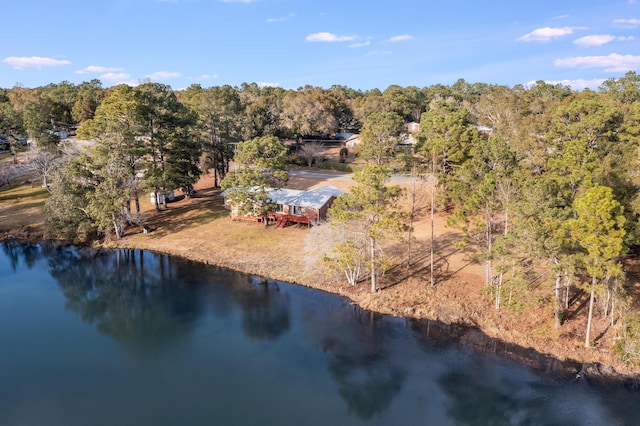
(246,218)
(281,220)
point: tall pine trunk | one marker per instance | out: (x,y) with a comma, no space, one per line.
(116,227)
(372,247)
(433,211)
(431,255)
(557,302)
(587,338)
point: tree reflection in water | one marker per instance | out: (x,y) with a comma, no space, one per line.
(129,295)
(358,358)
(29,253)
(265,311)
(479,397)
(148,302)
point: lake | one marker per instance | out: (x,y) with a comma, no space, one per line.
(136,338)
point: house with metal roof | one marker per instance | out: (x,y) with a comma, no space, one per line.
(296,206)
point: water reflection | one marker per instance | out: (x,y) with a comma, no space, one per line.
(367,385)
(478,397)
(265,311)
(358,358)
(142,307)
(16,251)
(228,348)
(149,302)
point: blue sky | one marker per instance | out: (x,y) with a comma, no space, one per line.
(290,43)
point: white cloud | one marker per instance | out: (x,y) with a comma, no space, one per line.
(612,63)
(594,40)
(633,22)
(400,38)
(162,75)
(207,76)
(329,37)
(96,69)
(547,34)
(113,76)
(280,19)
(118,78)
(363,44)
(267,84)
(600,39)
(37,62)
(576,84)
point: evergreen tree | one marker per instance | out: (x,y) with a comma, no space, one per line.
(260,169)
(599,229)
(371,208)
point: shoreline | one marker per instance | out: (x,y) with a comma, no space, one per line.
(198,229)
(466,335)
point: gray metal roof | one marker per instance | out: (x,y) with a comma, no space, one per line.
(313,198)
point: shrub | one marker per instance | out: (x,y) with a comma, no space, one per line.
(332,165)
(296,160)
(627,346)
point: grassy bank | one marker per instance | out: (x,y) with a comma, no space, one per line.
(21,209)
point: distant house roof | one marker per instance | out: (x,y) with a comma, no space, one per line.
(344,136)
(409,140)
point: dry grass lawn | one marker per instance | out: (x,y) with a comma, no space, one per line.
(21,207)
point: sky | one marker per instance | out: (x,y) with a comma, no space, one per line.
(361,44)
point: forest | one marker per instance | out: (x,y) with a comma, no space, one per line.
(541,181)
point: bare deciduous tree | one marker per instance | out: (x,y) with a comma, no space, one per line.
(8,171)
(43,162)
(312,151)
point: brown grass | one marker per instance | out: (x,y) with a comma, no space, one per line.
(21,207)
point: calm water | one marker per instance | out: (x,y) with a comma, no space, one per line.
(136,338)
